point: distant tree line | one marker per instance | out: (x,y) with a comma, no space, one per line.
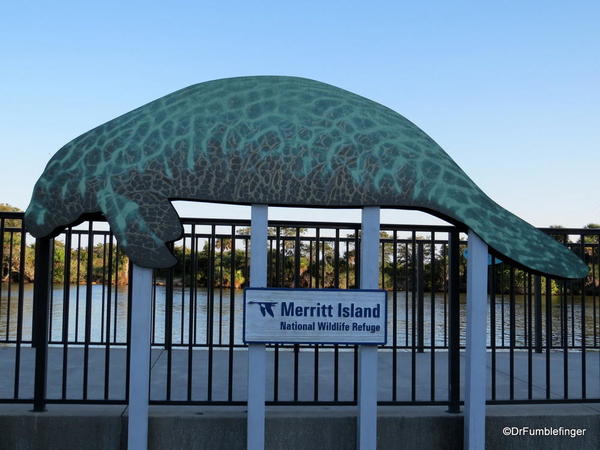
(308,265)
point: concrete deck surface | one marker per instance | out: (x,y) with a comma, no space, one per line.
(220,371)
(91,427)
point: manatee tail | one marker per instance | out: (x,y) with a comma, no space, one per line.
(515,239)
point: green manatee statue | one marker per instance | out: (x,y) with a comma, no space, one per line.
(268,140)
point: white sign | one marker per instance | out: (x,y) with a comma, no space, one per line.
(315,316)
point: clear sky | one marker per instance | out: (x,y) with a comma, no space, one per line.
(511,90)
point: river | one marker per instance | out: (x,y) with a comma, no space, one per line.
(225,314)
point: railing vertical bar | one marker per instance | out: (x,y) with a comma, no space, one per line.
(565,338)
(270,263)
(278,256)
(78,275)
(233,271)
(336,350)
(395,319)
(357,258)
(316,374)
(594,262)
(583,328)
(102,313)
(9,289)
(169,294)
(183,278)
(20,305)
(193,281)
(382,262)
(316,347)
(200,245)
(52,257)
(40,322)
(153,312)
(445,290)
(413,355)
(65,313)
(297,258)
(317,259)
(347,264)
(420,298)
(529,339)
(502,303)
(221,282)
(336,259)
(525,310)
(432,320)
(324,265)
(211,310)
(548,334)
(108,317)
(454,322)
(572,291)
(595,266)
(512,333)
(357,262)
(116,296)
(129,318)
(2,254)
(277,283)
(538,313)
(493,288)
(88,307)
(296,282)
(296,369)
(310,264)
(406,285)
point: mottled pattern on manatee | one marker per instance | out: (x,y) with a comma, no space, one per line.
(267,140)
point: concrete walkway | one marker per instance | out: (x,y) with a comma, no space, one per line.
(306,363)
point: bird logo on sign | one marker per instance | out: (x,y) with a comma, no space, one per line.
(265,307)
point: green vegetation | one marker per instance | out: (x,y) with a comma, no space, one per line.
(10,252)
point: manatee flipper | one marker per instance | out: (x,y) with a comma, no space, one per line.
(143,223)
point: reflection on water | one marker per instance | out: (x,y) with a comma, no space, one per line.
(108,316)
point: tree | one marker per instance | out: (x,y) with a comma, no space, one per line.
(10,259)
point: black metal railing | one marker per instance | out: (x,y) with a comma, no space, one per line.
(542,334)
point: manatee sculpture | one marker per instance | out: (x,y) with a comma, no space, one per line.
(268,140)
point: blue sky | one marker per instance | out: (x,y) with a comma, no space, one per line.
(509,89)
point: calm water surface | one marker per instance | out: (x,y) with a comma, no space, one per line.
(109,316)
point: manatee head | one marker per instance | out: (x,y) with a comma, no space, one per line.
(79,181)
(57,201)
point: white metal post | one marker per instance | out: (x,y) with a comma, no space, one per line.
(476,370)
(256,352)
(367,363)
(139,358)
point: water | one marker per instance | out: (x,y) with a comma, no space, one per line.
(109,317)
